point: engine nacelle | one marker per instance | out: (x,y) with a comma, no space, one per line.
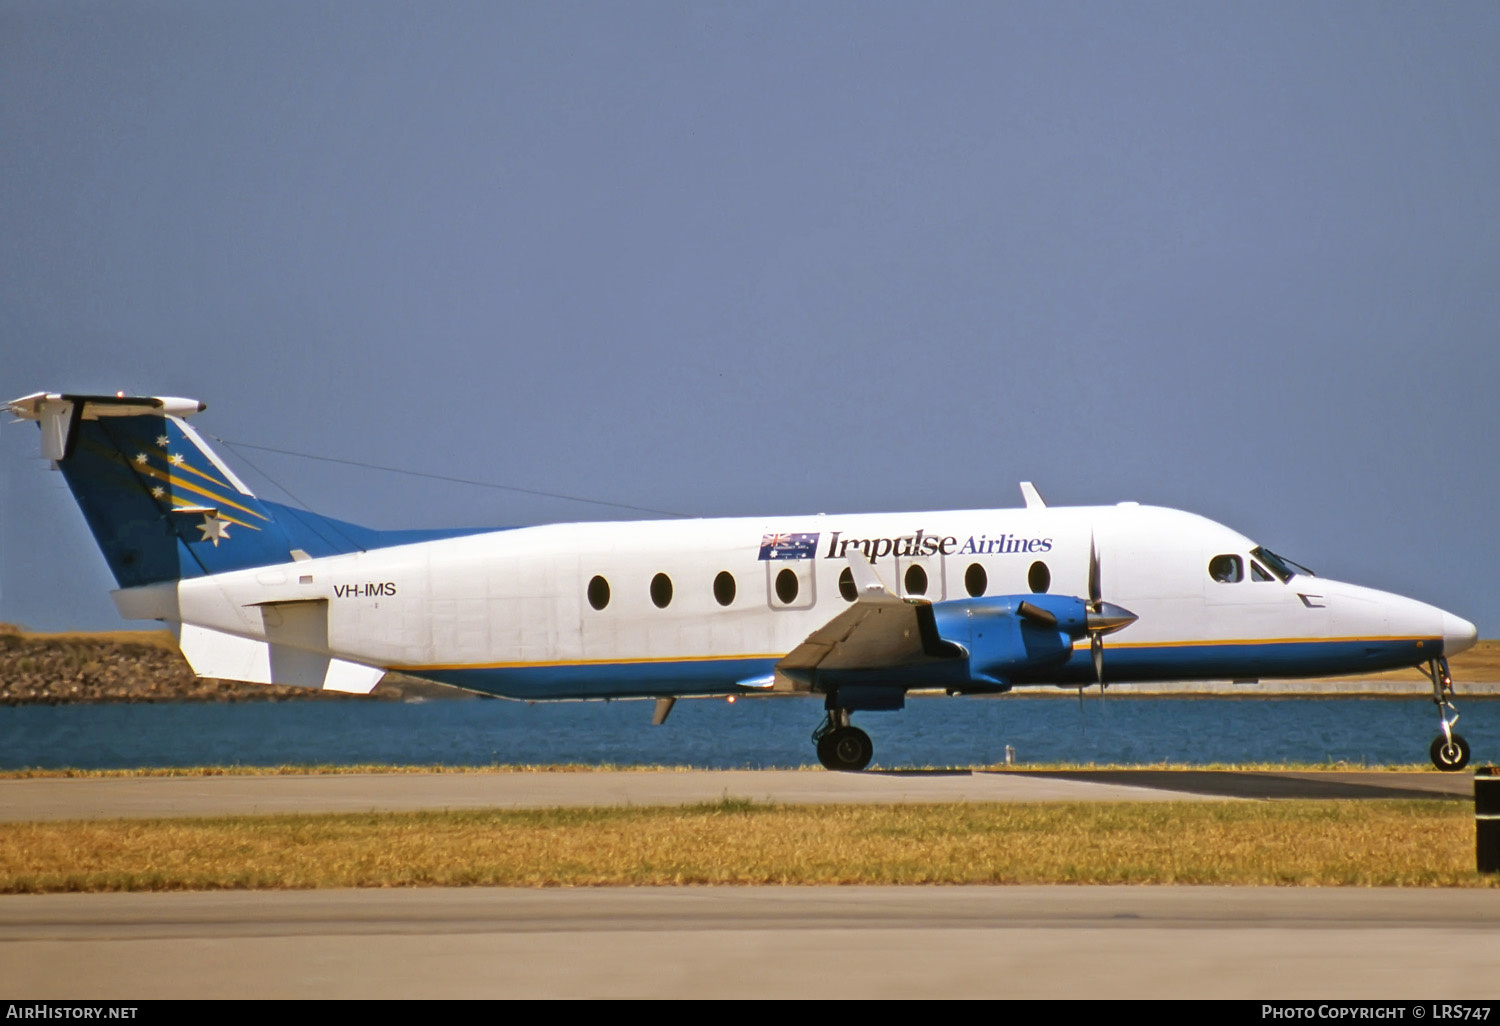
(1008,633)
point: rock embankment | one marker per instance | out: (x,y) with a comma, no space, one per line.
(134,666)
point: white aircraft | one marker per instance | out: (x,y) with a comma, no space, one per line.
(858,609)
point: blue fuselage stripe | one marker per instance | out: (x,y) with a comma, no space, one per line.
(1136,664)
(605,680)
(1243,661)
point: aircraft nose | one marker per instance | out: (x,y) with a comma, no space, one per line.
(1459,634)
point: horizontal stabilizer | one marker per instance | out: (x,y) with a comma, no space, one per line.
(215,654)
(59,414)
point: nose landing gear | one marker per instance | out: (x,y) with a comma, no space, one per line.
(1449,751)
(841,746)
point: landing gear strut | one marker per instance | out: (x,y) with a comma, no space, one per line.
(840,746)
(1449,751)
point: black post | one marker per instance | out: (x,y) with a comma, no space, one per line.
(1487,818)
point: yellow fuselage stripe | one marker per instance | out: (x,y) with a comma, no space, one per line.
(1266,641)
(592,662)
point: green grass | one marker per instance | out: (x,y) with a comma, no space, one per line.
(734,842)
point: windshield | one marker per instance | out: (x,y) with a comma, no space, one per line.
(1280,565)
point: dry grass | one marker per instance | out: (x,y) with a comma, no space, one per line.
(320,770)
(1426,843)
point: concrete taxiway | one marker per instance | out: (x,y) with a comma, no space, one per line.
(152,797)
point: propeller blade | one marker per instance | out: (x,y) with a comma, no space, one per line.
(1095,595)
(1102,617)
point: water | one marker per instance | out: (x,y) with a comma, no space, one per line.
(751,733)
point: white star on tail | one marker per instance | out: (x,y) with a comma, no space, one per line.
(140,458)
(176,459)
(162,440)
(158,492)
(213,529)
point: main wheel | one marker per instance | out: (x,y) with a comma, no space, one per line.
(1449,756)
(846,748)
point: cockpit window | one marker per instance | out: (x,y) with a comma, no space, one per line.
(1280,565)
(1258,572)
(1226,569)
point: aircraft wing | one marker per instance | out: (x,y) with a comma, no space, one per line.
(878,635)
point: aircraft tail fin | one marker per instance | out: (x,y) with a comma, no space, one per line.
(160,502)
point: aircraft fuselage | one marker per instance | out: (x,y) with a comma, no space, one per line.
(513,612)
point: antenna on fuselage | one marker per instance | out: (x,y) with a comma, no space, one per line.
(1032,496)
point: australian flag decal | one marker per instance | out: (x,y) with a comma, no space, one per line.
(788,546)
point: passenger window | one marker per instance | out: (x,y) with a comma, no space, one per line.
(786,586)
(661,590)
(1258,573)
(598,592)
(916,580)
(1226,569)
(1039,578)
(846,585)
(724,588)
(975,580)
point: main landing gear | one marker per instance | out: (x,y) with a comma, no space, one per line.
(1449,751)
(840,746)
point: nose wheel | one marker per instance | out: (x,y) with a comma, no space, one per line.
(1449,753)
(840,746)
(1449,750)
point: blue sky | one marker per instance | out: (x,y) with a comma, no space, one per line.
(759,258)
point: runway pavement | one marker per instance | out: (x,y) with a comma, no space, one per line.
(151,797)
(792,942)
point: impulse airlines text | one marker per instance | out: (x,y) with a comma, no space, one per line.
(923,544)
